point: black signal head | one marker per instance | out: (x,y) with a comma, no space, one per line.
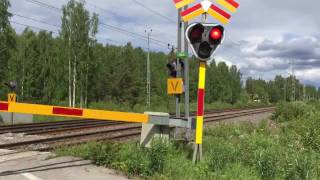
(204,39)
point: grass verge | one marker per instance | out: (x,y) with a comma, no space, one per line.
(271,150)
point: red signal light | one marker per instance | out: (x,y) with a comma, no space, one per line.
(215,34)
(196,33)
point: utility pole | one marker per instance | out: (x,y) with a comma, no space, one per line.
(148,33)
(178,65)
(293,82)
(285,90)
(186,72)
(304,92)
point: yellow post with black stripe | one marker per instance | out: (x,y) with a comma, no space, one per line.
(197,155)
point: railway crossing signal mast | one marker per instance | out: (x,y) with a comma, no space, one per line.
(204,39)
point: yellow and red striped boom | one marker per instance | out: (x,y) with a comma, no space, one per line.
(72,112)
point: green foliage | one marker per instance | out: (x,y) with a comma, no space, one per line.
(101,154)
(266,163)
(238,171)
(74,68)
(133,160)
(221,154)
(280,89)
(291,111)
(231,151)
(7,43)
(300,166)
(158,153)
(308,132)
(223,84)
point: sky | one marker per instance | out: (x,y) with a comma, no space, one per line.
(264,38)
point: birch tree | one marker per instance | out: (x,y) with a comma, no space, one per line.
(7,40)
(76,29)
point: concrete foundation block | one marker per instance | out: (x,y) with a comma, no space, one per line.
(151,131)
(6,118)
(160,125)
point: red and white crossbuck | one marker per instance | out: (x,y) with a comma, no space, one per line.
(220,10)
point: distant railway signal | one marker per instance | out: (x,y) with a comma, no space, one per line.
(204,39)
(12,85)
(172,67)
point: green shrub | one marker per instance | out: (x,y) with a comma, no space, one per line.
(221,154)
(299,166)
(100,153)
(133,160)
(105,154)
(266,163)
(251,146)
(307,130)
(290,111)
(157,155)
(239,172)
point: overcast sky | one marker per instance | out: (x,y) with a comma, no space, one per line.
(263,37)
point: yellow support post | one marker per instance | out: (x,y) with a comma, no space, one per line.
(200,112)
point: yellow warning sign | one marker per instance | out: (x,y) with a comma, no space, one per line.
(175,86)
(12,97)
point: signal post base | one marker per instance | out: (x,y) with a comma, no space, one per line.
(160,125)
(197,153)
(152,131)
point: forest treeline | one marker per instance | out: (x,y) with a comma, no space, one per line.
(73,68)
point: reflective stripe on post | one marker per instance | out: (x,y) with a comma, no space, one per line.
(201,93)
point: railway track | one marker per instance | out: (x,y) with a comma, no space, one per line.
(55,134)
(111,133)
(56,127)
(223,116)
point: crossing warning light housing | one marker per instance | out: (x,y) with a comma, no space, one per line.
(204,39)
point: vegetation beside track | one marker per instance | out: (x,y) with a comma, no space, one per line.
(286,148)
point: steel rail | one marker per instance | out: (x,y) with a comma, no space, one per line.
(49,127)
(66,137)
